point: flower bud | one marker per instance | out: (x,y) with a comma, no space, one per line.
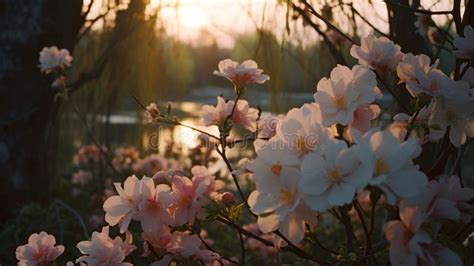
(227,198)
(152,112)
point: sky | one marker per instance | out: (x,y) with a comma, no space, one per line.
(223,19)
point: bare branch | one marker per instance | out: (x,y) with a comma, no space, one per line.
(327,22)
(88,9)
(335,53)
(91,24)
(420,11)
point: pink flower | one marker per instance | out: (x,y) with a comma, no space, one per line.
(103,250)
(120,209)
(381,54)
(40,249)
(153,208)
(363,117)
(465,45)
(189,195)
(51,58)
(413,66)
(150,165)
(344,92)
(152,112)
(266,252)
(81,177)
(125,158)
(453,110)
(202,177)
(225,198)
(433,83)
(187,200)
(157,240)
(59,82)
(243,114)
(363,197)
(87,155)
(406,237)
(398,127)
(269,126)
(216,115)
(443,199)
(242,74)
(186,247)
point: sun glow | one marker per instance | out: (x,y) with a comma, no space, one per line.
(188,137)
(198,21)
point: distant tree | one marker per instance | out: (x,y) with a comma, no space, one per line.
(27,108)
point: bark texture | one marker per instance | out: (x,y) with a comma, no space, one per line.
(27,108)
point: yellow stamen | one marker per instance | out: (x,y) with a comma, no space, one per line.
(184,201)
(302,146)
(339,101)
(286,195)
(276,169)
(380,167)
(334,176)
(153,206)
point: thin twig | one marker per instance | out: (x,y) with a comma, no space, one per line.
(88,9)
(242,248)
(175,122)
(75,213)
(312,237)
(441,161)
(394,95)
(372,217)
(463,230)
(327,22)
(152,249)
(100,64)
(411,123)
(332,49)
(91,24)
(292,249)
(234,177)
(420,11)
(368,22)
(244,141)
(213,250)
(457,164)
(91,136)
(364,226)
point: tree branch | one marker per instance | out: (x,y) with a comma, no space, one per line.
(420,11)
(332,49)
(291,249)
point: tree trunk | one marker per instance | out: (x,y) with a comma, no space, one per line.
(27,109)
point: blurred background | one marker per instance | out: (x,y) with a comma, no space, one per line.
(165,51)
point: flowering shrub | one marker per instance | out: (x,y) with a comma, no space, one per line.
(40,249)
(54,61)
(327,164)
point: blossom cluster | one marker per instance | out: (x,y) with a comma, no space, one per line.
(310,165)
(161,207)
(54,61)
(324,161)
